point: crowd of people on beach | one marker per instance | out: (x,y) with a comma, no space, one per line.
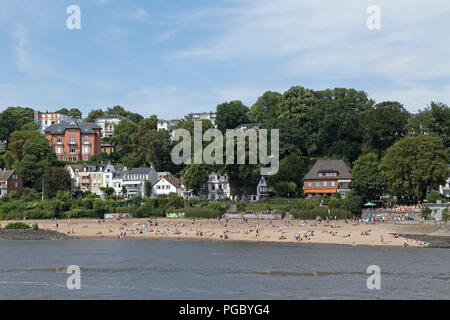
(322,229)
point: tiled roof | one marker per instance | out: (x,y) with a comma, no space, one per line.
(111,116)
(174,181)
(344,172)
(5,174)
(60,128)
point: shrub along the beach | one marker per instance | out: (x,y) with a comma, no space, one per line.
(426,212)
(198,212)
(17,226)
(321,212)
(219,206)
(446,215)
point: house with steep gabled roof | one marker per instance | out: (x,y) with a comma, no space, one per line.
(326,178)
(10,181)
(166,184)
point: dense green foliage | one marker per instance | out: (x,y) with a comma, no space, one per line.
(413,165)
(389,150)
(17,226)
(368,180)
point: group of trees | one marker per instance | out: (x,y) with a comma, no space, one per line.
(27,151)
(116,110)
(389,149)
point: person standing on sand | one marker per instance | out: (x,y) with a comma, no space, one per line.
(381,238)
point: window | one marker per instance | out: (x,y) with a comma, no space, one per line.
(309,184)
(59,139)
(333,183)
(72,139)
(74,158)
(86,139)
(17,184)
(325,184)
(72,149)
(59,149)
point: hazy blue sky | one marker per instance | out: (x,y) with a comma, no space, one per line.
(170,57)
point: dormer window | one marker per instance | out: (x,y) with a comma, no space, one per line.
(328,174)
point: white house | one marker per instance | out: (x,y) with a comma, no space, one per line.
(216,187)
(259,190)
(445,189)
(46,119)
(108,123)
(166,124)
(211,116)
(134,181)
(166,184)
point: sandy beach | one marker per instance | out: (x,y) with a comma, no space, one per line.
(334,232)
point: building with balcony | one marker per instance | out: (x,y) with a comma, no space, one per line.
(10,181)
(211,116)
(134,181)
(167,124)
(46,119)
(74,141)
(107,123)
(216,187)
(328,177)
(109,147)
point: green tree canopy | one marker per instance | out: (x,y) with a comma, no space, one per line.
(75,113)
(12,119)
(229,115)
(265,107)
(368,182)
(414,165)
(56,179)
(123,134)
(295,103)
(292,169)
(194,175)
(384,125)
(94,114)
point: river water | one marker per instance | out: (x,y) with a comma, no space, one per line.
(113,269)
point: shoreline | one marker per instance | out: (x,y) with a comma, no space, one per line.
(29,234)
(256,231)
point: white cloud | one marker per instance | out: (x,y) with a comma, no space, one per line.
(19,46)
(140,15)
(328,41)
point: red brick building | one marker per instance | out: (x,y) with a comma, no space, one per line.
(328,177)
(74,141)
(10,181)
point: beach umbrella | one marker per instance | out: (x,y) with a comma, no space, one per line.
(369,204)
